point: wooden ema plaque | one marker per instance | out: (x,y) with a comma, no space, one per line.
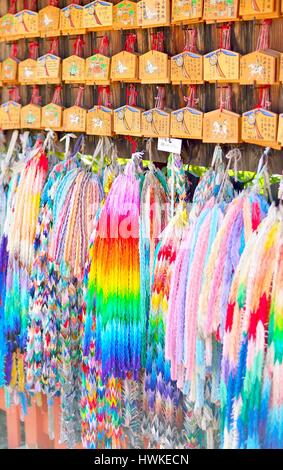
(260,67)
(52,117)
(153,13)
(49,21)
(97,70)
(260,125)
(187,68)
(10,115)
(27,72)
(226,10)
(71,20)
(155,123)
(127,120)
(8,28)
(280,129)
(186,11)
(221,66)
(98,15)
(221,127)
(73,69)
(1,83)
(125,15)
(9,71)
(99,121)
(186,123)
(31,116)
(49,69)
(74,119)
(262,9)
(154,67)
(281,68)
(124,67)
(27,23)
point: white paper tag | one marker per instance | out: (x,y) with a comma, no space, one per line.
(166,144)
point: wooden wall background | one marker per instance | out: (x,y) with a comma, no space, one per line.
(244,37)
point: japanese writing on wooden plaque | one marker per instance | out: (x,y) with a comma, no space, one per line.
(51,116)
(10,70)
(218,10)
(187,67)
(221,126)
(125,15)
(155,123)
(99,121)
(259,125)
(222,66)
(98,15)
(27,72)
(153,13)
(127,120)
(97,70)
(10,115)
(250,9)
(49,21)
(73,69)
(124,67)
(49,68)
(280,129)
(259,67)
(74,119)
(8,27)
(71,20)
(27,23)
(186,11)
(186,123)
(31,117)
(154,67)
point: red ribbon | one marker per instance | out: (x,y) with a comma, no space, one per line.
(225,36)
(133,143)
(54,50)
(54,3)
(157,41)
(12,8)
(130,42)
(104,96)
(30,5)
(14,94)
(78,46)
(225,98)
(14,50)
(57,97)
(191,100)
(263,41)
(191,40)
(35,97)
(104,45)
(33,50)
(80,95)
(160,98)
(264,97)
(131,95)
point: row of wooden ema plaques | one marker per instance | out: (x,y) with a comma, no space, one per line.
(263,67)
(101,15)
(258,125)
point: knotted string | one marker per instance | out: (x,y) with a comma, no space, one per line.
(131,95)
(80,95)
(35,97)
(104,96)
(264,97)
(191,100)
(54,49)
(130,42)
(225,36)
(33,50)
(157,41)
(160,98)
(78,46)
(14,94)
(225,99)
(190,39)
(263,41)
(57,97)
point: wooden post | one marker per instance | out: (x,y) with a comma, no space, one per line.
(36,427)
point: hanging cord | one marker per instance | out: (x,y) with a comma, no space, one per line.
(157,41)
(14,94)
(225,36)
(67,138)
(262,171)
(80,97)
(225,99)
(103,46)
(264,97)
(217,158)
(12,7)
(14,51)
(191,99)
(131,95)
(78,46)
(160,98)
(49,141)
(57,97)
(54,47)
(104,96)
(35,97)
(149,145)
(190,36)
(33,50)
(234,155)
(5,163)
(263,41)
(130,42)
